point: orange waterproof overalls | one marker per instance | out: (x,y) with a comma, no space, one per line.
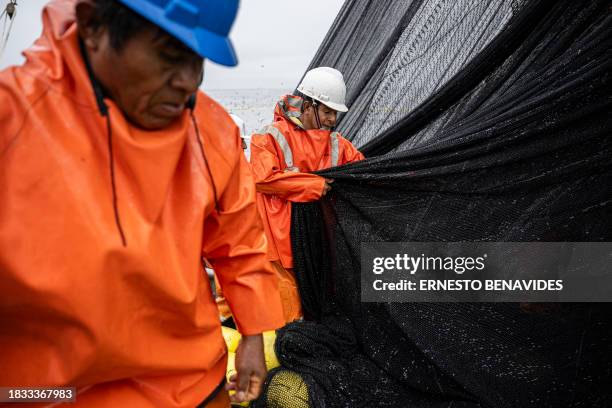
(282,155)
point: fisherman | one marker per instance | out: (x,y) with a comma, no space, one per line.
(118,177)
(301,140)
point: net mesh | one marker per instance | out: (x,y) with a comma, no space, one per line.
(481,121)
(286,388)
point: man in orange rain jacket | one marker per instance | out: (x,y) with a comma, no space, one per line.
(115,183)
(298,142)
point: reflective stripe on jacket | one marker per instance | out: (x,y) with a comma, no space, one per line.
(288,154)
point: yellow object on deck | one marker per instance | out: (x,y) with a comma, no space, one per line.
(232,338)
(269,338)
(287,389)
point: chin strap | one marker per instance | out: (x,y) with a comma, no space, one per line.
(315,106)
(103,109)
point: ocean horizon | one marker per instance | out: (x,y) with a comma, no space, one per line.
(254,106)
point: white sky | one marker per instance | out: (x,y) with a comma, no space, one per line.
(275,41)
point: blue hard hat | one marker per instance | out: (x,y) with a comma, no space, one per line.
(202,25)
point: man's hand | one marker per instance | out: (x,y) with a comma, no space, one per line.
(327,186)
(250,370)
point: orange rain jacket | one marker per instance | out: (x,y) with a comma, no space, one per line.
(279,184)
(134,325)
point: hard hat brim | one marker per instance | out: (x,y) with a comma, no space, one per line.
(216,48)
(338,107)
(335,106)
(206,44)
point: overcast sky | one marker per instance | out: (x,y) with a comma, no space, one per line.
(275,41)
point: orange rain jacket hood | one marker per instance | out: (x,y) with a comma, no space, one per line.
(279,184)
(131,325)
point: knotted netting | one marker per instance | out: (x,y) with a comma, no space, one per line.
(481,121)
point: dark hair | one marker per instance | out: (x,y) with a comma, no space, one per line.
(122,23)
(306,98)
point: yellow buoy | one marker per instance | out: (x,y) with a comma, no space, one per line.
(231,337)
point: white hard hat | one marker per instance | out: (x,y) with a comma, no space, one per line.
(325,85)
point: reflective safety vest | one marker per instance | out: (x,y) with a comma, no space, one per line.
(288,154)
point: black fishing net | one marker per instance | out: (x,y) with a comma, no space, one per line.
(481,121)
